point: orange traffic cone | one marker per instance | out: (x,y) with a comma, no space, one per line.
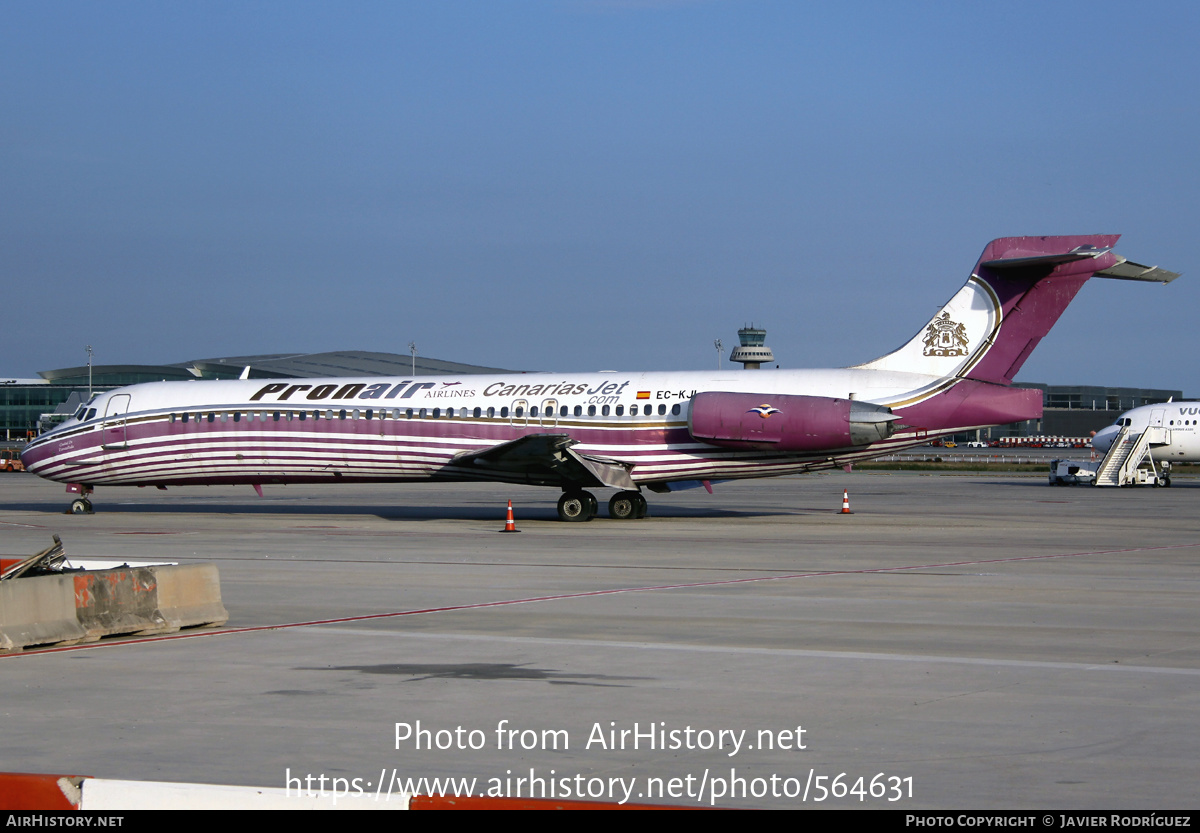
(845,503)
(510,525)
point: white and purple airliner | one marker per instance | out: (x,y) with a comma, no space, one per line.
(627,431)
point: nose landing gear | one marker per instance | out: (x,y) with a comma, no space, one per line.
(80,505)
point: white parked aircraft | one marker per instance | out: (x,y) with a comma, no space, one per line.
(660,431)
(1180,439)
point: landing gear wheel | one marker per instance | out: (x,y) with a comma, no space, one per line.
(577,506)
(81,506)
(622,506)
(642,509)
(625,506)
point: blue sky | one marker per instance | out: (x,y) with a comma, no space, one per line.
(584,184)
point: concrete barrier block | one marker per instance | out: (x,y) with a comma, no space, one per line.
(189,595)
(38,611)
(125,601)
(86,606)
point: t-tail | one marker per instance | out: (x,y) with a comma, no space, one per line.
(978,341)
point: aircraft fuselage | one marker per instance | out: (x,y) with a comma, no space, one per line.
(397,429)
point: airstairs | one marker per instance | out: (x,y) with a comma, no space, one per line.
(1122,465)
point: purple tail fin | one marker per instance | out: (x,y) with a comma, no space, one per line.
(1016,292)
(1033,280)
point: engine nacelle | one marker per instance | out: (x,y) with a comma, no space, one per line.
(787,423)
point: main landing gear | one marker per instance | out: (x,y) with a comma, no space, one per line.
(625,506)
(578,505)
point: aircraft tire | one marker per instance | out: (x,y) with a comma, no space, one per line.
(623,506)
(642,509)
(81,506)
(576,506)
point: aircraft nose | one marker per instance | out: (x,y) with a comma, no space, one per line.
(1104,438)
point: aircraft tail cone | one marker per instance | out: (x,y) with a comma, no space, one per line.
(509,524)
(845,503)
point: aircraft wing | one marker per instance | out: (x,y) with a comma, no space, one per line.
(549,460)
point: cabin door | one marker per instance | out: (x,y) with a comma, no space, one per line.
(115,430)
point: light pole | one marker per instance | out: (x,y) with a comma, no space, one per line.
(412,348)
(89,352)
(720,348)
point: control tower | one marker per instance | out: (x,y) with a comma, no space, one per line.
(753,349)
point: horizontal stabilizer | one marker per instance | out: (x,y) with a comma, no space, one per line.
(1022,260)
(1127,270)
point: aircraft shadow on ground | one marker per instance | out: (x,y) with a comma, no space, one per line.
(391,513)
(417,672)
(1081,489)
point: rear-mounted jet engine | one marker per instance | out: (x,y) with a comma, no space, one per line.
(787,423)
